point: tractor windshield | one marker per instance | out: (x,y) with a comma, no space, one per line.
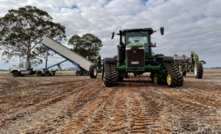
(138,36)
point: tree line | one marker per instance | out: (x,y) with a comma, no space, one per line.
(22,30)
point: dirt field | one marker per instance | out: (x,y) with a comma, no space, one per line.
(71,104)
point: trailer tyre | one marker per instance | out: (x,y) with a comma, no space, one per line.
(93,71)
(198,70)
(109,75)
(16,74)
(47,73)
(39,73)
(86,73)
(78,73)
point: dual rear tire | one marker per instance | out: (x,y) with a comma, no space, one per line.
(80,73)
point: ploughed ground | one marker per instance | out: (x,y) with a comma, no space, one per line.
(77,104)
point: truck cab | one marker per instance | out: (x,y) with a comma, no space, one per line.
(23,69)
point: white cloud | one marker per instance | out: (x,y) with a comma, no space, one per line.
(189,25)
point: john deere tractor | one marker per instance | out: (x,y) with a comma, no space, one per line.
(135,55)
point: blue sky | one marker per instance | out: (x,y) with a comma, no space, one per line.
(189,25)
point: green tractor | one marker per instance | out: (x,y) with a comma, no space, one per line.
(135,55)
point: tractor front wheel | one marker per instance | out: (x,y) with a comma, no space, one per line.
(93,71)
(198,70)
(16,74)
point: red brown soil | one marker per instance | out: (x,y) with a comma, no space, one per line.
(78,104)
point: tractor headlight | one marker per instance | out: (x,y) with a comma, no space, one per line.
(128,48)
(141,47)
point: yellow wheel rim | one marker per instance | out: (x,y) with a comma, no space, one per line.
(155,78)
(169,79)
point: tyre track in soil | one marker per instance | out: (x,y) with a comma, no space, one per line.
(25,100)
(123,110)
(136,105)
(47,101)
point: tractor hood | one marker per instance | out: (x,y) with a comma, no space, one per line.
(137,44)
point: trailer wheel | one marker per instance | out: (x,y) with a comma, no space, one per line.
(47,73)
(93,71)
(16,74)
(86,73)
(39,73)
(109,76)
(78,73)
(198,70)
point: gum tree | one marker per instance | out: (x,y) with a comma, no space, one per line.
(88,45)
(22,30)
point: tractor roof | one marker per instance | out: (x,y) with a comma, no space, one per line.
(138,29)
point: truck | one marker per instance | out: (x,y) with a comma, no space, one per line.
(24,68)
(135,55)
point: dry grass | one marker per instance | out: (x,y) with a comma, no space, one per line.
(4,72)
(65,72)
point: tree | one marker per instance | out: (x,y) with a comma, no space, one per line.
(22,30)
(87,46)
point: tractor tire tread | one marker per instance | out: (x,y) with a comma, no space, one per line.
(177,79)
(91,71)
(199,70)
(111,76)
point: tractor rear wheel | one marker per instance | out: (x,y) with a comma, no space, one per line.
(93,71)
(109,75)
(174,77)
(198,70)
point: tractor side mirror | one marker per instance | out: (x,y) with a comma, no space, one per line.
(151,45)
(112,35)
(162,30)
